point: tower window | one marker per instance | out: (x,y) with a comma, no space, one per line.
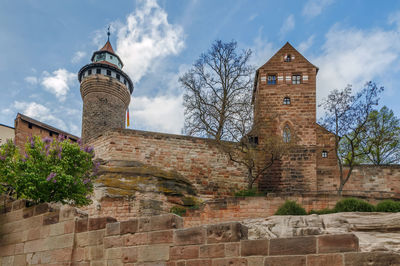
(253,140)
(89,72)
(288,58)
(296,79)
(324,154)
(286,100)
(98,71)
(111,57)
(125,81)
(30,125)
(50,134)
(286,134)
(108,72)
(271,80)
(118,76)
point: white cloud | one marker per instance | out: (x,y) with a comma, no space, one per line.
(262,51)
(161,113)
(304,46)
(354,56)
(32,80)
(39,112)
(394,18)
(147,37)
(58,83)
(315,7)
(78,56)
(252,17)
(288,25)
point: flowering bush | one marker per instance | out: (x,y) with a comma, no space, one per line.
(51,170)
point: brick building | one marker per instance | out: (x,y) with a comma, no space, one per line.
(26,127)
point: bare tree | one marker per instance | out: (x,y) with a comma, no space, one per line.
(217,89)
(346,115)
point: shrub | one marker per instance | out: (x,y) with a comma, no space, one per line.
(178,210)
(388,206)
(51,170)
(353,205)
(249,193)
(290,208)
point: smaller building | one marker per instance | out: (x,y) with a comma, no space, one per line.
(6,132)
(26,127)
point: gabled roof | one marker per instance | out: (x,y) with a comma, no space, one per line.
(288,46)
(46,126)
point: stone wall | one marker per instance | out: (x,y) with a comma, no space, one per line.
(47,235)
(197,159)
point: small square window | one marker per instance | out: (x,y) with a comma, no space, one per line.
(288,58)
(111,57)
(324,154)
(98,71)
(50,134)
(296,79)
(108,72)
(89,72)
(118,76)
(286,100)
(271,80)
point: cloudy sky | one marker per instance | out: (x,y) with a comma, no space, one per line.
(43,44)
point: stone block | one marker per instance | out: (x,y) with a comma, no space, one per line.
(144,224)
(19,248)
(82,239)
(129,254)
(130,226)
(61,241)
(292,246)
(202,262)
(184,252)
(254,247)
(135,239)
(160,237)
(226,232)
(95,253)
(35,245)
(285,260)
(232,249)
(116,262)
(325,260)
(20,260)
(230,262)
(371,258)
(212,251)
(113,241)
(113,253)
(337,243)
(98,263)
(51,218)
(190,236)
(41,208)
(113,229)
(28,212)
(153,253)
(7,250)
(81,225)
(95,237)
(99,223)
(165,222)
(255,261)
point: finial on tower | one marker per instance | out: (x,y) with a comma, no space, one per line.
(108,33)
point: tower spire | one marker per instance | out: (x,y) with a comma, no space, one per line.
(108,33)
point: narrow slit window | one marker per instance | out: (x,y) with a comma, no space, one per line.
(286,134)
(286,101)
(108,72)
(118,76)
(89,72)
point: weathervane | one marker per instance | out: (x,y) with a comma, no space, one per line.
(108,33)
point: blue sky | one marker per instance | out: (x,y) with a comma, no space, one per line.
(43,44)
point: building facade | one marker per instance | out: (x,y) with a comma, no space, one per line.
(6,133)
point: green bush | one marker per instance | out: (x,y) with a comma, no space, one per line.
(323,211)
(291,208)
(51,170)
(388,206)
(353,205)
(249,193)
(178,210)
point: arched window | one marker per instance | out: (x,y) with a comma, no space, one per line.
(286,134)
(286,100)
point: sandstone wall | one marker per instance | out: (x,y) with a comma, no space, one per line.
(197,159)
(61,236)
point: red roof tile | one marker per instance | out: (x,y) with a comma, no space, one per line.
(107,47)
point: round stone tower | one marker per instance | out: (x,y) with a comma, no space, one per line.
(105,91)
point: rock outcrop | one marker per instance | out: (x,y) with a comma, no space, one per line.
(376,231)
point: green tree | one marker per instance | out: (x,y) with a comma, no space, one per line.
(51,170)
(381,140)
